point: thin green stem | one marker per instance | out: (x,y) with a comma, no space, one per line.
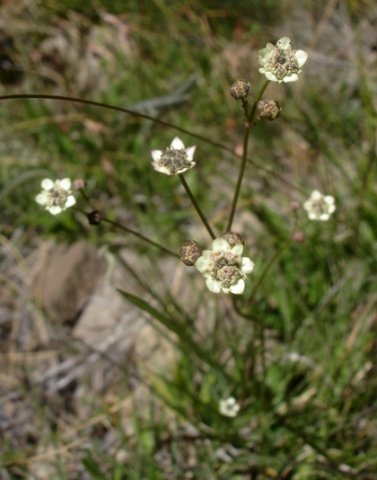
(196,205)
(146,117)
(248,125)
(86,198)
(65,98)
(260,95)
(139,235)
(240,176)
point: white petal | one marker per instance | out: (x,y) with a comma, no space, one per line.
(312,216)
(47,184)
(284,43)
(290,78)
(238,287)
(203,262)
(270,76)
(156,155)
(237,249)
(301,57)
(220,245)
(316,195)
(324,217)
(262,57)
(184,169)
(65,184)
(307,205)
(331,208)
(213,285)
(70,201)
(329,200)
(55,210)
(247,266)
(264,53)
(177,144)
(41,198)
(161,169)
(190,152)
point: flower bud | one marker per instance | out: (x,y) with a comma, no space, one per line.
(190,252)
(233,238)
(268,109)
(79,184)
(240,89)
(298,237)
(294,205)
(95,217)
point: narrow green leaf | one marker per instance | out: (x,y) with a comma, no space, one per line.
(173,326)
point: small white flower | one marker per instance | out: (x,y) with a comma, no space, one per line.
(280,63)
(224,267)
(229,407)
(319,207)
(56,195)
(175,159)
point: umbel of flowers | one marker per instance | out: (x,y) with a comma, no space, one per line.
(319,207)
(56,195)
(229,407)
(224,267)
(175,159)
(280,63)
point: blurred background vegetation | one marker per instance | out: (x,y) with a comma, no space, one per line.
(302,364)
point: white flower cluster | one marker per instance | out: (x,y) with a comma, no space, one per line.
(229,407)
(56,196)
(224,267)
(319,207)
(280,63)
(175,159)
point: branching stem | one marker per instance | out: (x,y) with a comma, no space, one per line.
(248,125)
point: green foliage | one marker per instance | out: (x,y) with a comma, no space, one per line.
(297,349)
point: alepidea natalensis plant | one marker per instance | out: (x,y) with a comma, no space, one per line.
(223,265)
(227,273)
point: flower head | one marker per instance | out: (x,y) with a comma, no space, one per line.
(190,252)
(268,109)
(280,63)
(175,159)
(56,196)
(240,89)
(319,207)
(224,267)
(229,407)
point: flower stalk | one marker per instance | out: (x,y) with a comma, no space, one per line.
(196,206)
(248,125)
(128,111)
(140,236)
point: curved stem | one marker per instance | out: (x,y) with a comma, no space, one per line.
(134,113)
(196,205)
(139,235)
(146,117)
(249,124)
